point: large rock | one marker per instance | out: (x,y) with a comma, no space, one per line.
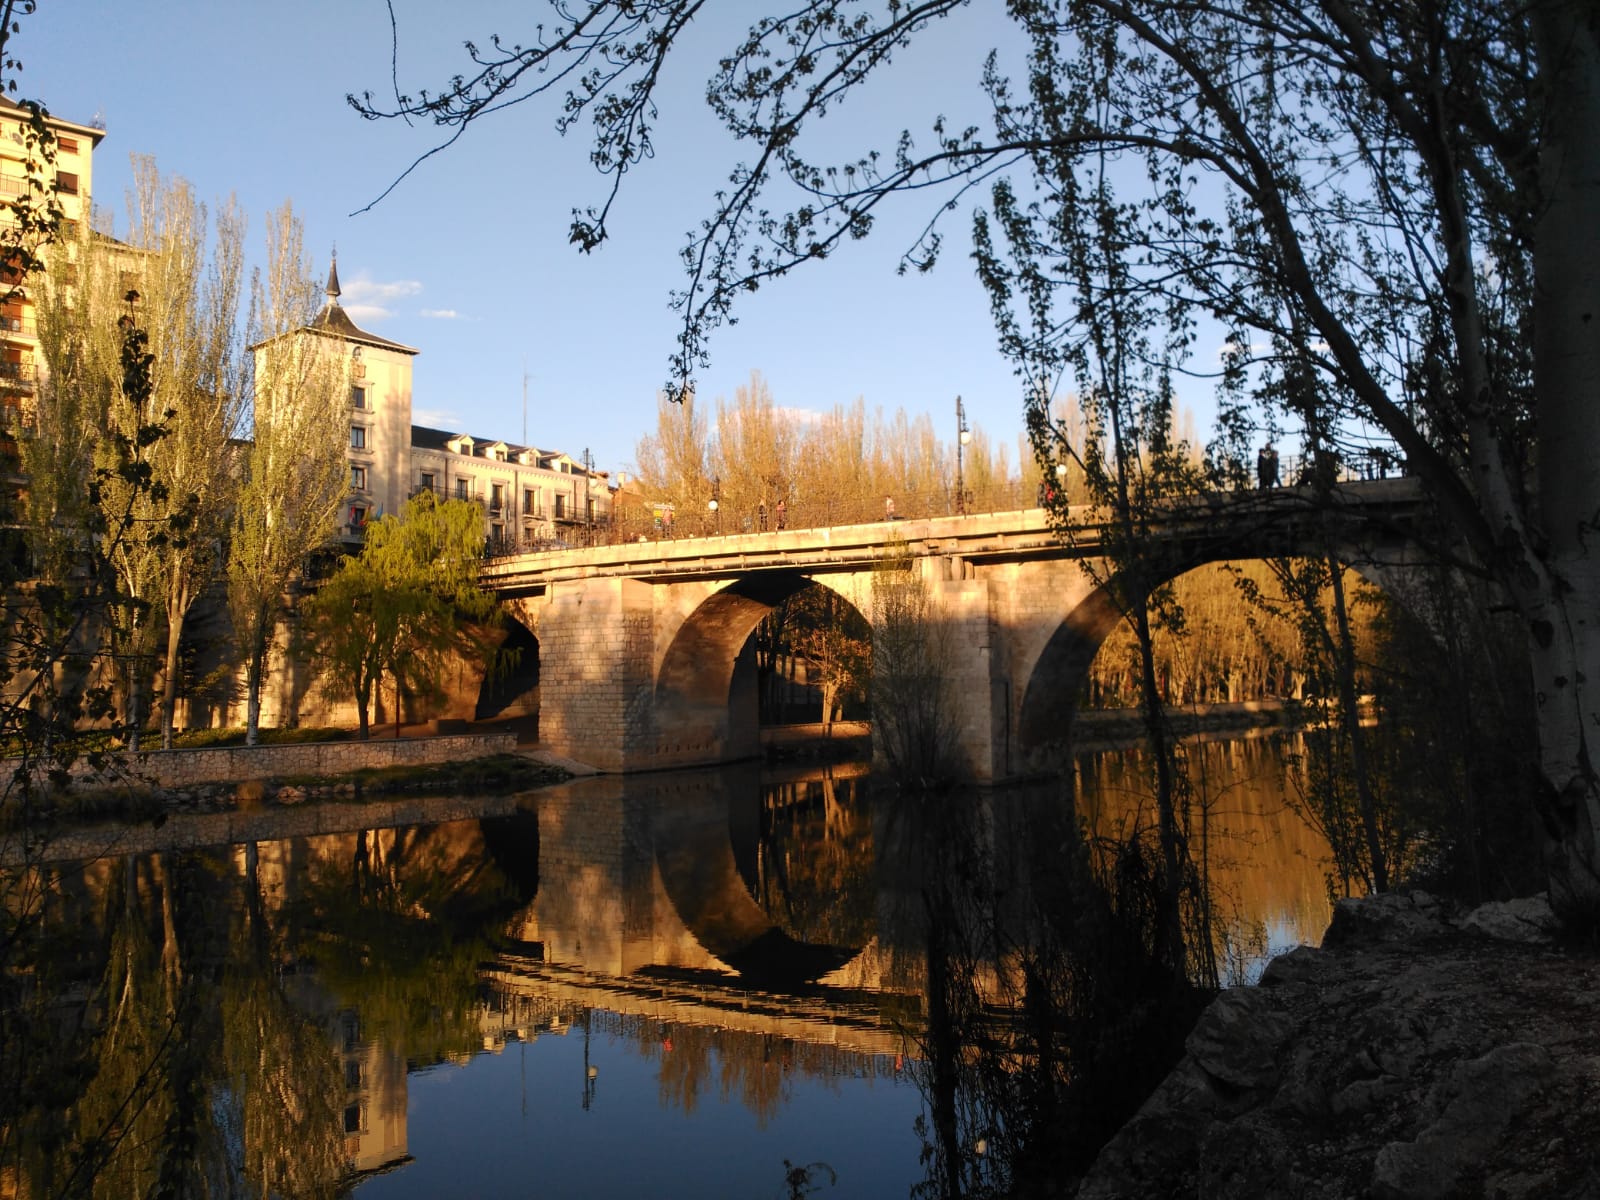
(1415,1055)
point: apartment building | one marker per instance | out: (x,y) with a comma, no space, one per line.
(22,169)
(530,497)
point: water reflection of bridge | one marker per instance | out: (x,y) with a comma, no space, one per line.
(527,993)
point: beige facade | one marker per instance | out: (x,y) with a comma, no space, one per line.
(529,497)
(21,170)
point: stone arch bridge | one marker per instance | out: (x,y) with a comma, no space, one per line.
(646,660)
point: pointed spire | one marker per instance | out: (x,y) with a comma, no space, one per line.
(333,279)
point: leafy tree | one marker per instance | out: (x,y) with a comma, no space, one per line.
(398,607)
(1391,210)
(184,300)
(295,469)
(190,276)
(915,714)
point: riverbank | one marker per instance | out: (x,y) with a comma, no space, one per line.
(1421,1053)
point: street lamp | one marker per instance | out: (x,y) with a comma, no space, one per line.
(714,506)
(963,436)
(588,500)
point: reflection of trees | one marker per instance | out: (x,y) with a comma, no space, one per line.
(1052,1010)
(397,927)
(186,1071)
(757,1069)
(160,1035)
(815,875)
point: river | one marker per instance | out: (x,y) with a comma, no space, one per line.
(740,982)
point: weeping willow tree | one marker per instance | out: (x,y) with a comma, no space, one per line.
(295,473)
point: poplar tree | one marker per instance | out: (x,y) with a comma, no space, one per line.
(295,475)
(190,275)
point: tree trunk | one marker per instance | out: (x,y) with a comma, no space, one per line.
(252,690)
(1560,602)
(177,612)
(1344,659)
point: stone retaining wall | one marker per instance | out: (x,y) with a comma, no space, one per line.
(239,764)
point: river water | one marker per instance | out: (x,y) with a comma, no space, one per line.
(740,982)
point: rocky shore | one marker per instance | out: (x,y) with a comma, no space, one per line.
(1420,1053)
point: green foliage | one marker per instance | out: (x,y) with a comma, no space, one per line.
(400,606)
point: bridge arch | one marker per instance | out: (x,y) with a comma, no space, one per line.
(510,683)
(1056,680)
(705,694)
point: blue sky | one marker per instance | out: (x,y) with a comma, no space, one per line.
(468,259)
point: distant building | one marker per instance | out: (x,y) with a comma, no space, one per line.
(21,169)
(530,497)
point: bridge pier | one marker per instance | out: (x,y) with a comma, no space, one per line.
(596,670)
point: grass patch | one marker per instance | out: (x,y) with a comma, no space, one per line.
(495,773)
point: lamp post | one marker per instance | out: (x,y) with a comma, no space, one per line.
(588,501)
(714,506)
(963,436)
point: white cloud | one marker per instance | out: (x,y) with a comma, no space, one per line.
(437,418)
(369,300)
(440,314)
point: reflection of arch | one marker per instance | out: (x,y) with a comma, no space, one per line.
(700,874)
(705,693)
(511,687)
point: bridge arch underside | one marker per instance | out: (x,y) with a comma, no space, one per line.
(510,683)
(1060,673)
(706,687)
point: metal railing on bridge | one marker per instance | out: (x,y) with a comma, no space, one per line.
(660,523)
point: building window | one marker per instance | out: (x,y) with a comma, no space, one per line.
(67,145)
(497,497)
(427,482)
(358,396)
(352,1073)
(352,1119)
(358,437)
(67,183)
(530,500)
(358,516)
(461,488)
(358,478)
(561,506)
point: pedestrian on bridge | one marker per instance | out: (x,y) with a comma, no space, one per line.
(888,508)
(1267,467)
